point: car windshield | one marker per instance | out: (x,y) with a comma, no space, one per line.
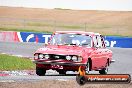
(71,39)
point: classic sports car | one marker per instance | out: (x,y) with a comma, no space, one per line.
(67,50)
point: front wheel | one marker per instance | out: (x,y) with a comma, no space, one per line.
(40,71)
(81,80)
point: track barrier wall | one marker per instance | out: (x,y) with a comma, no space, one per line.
(111,41)
(9,36)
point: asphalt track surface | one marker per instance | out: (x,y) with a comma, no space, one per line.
(122,65)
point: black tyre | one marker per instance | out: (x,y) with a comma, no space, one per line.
(62,72)
(40,71)
(80,80)
(103,71)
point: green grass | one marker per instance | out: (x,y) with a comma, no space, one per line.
(39,24)
(55,25)
(71,26)
(68,26)
(44,27)
(23,30)
(15,63)
(98,26)
(48,32)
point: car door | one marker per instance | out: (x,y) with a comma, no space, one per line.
(95,54)
(98,59)
(103,52)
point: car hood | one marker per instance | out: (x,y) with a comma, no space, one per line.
(63,50)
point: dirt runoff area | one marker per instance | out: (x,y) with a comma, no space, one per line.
(60,84)
(104,22)
(70,16)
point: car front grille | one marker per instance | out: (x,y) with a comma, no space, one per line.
(56,57)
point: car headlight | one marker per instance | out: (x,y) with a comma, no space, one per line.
(35,56)
(46,56)
(41,56)
(68,57)
(74,58)
(80,59)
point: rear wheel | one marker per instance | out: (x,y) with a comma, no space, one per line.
(104,70)
(40,71)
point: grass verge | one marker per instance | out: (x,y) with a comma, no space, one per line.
(23,30)
(106,32)
(8,62)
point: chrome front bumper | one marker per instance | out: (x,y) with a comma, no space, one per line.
(59,63)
